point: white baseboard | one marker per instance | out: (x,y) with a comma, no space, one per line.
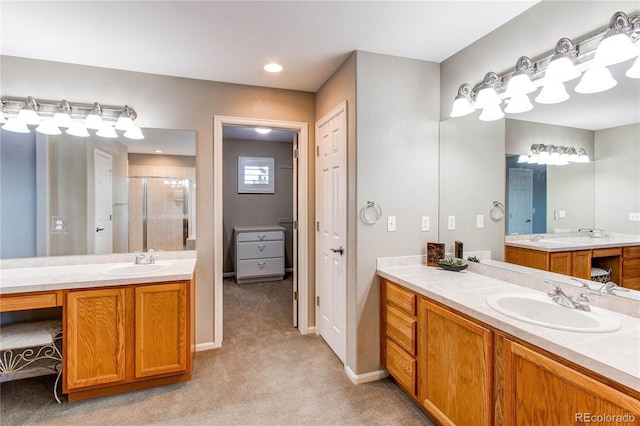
(372,376)
(206,346)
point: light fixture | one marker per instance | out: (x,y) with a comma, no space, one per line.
(158,151)
(48,127)
(55,114)
(596,79)
(273,67)
(263,130)
(78,129)
(107,131)
(2,119)
(134,133)
(94,118)
(523,158)
(582,156)
(554,155)
(491,113)
(61,117)
(462,104)
(29,112)
(591,52)
(616,46)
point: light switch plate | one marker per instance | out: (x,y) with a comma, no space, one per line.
(425,223)
(634,217)
(451,223)
(391,223)
(480,221)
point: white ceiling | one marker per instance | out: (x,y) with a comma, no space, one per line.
(230,41)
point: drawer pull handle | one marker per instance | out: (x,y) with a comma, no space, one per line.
(262,237)
(262,263)
(261,247)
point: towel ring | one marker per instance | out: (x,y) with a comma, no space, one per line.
(377,211)
(497,211)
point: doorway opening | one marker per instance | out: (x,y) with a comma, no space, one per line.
(273,195)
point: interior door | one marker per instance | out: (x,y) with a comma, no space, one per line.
(520,213)
(103,240)
(294,232)
(331,227)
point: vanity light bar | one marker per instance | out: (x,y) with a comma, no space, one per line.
(47,108)
(581,53)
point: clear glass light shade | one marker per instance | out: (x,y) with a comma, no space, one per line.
(15,125)
(93,121)
(491,113)
(523,159)
(486,97)
(520,84)
(62,119)
(48,128)
(134,133)
(461,107)
(634,71)
(561,70)
(518,103)
(29,116)
(552,92)
(107,131)
(78,129)
(124,123)
(615,49)
(596,79)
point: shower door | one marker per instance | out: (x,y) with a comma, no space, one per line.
(158,213)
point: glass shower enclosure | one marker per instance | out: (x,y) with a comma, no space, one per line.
(161,213)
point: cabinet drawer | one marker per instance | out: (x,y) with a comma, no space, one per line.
(260,267)
(19,302)
(633,251)
(631,268)
(402,329)
(258,249)
(402,367)
(606,252)
(261,236)
(401,298)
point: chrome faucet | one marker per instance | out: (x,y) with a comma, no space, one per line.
(608,288)
(140,259)
(152,256)
(581,303)
(536,238)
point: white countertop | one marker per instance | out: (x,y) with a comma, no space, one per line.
(614,355)
(78,276)
(556,243)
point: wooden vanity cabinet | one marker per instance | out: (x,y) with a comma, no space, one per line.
(573,263)
(540,390)
(126,338)
(631,267)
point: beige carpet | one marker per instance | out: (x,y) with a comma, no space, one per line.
(266,373)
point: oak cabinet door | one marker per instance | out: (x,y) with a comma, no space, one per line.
(539,390)
(94,337)
(161,329)
(458,368)
(561,263)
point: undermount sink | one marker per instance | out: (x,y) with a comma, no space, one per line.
(137,269)
(539,309)
(550,242)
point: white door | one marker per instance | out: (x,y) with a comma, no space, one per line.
(520,201)
(294,232)
(103,239)
(331,228)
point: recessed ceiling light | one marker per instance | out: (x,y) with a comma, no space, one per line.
(158,151)
(263,130)
(273,67)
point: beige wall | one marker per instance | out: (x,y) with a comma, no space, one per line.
(169,103)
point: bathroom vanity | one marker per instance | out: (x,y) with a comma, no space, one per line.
(124,329)
(464,363)
(575,256)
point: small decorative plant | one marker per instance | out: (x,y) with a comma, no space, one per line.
(451,261)
(473,259)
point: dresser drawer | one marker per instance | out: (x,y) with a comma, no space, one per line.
(260,267)
(402,329)
(261,236)
(260,249)
(401,298)
(402,367)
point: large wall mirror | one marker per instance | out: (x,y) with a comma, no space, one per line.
(66,195)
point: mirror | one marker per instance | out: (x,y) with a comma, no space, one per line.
(65,195)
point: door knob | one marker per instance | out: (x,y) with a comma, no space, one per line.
(338,250)
(99,229)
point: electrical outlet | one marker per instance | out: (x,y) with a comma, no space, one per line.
(59,224)
(391,223)
(451,223)
(425,223)
(634,217)
(480,221)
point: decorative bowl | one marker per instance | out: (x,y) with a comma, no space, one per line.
(452,266)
